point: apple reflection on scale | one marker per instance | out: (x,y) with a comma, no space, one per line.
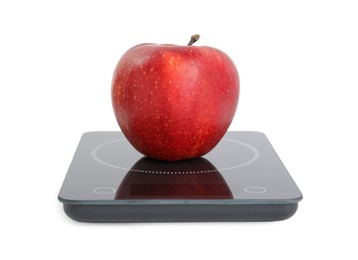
(241,179)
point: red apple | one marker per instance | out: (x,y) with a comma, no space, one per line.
(174,102)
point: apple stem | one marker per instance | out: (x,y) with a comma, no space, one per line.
(193,39)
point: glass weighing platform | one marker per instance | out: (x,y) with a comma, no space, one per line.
(241,179)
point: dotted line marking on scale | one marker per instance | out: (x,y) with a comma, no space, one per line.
(171,172)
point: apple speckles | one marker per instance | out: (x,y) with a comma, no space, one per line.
(171,61)
(157,116)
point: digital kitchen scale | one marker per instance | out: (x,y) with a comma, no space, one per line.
(241,179)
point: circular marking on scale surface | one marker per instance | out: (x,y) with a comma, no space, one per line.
(253,158)
(104,190)
(94,154)
(255,189)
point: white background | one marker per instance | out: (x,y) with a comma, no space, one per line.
(298,64)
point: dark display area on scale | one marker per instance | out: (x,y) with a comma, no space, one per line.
(241,179)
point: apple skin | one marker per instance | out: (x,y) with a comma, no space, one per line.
(174,102)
